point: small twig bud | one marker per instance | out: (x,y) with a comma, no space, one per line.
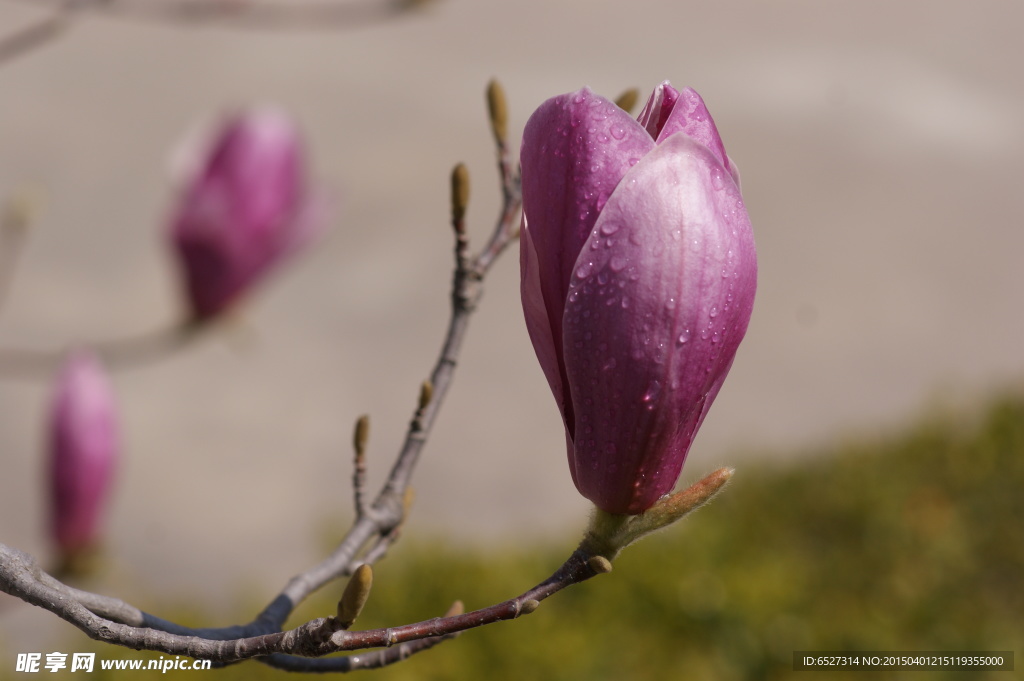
(408,497)
(628,99)
(411,4)
(460,195)
(600,565)
(354,597)
(426,394)
(359,439)
(528,606)
(361,434)
(497,109)
(457,608)
(19,211)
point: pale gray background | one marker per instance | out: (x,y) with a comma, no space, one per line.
(881,149)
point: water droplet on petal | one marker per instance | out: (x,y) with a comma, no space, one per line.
(684,336)
(617,263)
(714,311)
(653,391)
(618,132)
(717,178)
(585,270)
(608,228)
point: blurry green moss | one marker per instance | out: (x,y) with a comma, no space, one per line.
(910,542)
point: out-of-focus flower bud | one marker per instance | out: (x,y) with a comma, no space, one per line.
(638,278)
(244,209)
(83,452)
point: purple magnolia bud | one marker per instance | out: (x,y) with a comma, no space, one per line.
(638,278)
(243,210)
(83,452)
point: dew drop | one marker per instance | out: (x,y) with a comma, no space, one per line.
(618,132)
(585,270)
(713,312)
(684,337)
(717,178)
(608,228)
(617,263)
(653,391)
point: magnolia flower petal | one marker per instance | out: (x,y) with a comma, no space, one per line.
(689,115)
(658,109)
(245,210)
(575,150)
(83,451)
(538,324)
(653,321)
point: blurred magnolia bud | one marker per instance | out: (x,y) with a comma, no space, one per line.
(83,452)
(638,279)
(244,209)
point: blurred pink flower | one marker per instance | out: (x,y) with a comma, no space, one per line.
(638,279)
(83,452)
(245,208)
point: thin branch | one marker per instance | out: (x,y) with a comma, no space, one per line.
(378,528)
(120,353)
(15,221)
(256,14)
(39,33)
(23,579)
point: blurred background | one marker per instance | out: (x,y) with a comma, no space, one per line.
(880,145)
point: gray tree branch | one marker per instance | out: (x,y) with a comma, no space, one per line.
(376,527)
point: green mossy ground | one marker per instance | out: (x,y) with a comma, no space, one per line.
(910,542)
